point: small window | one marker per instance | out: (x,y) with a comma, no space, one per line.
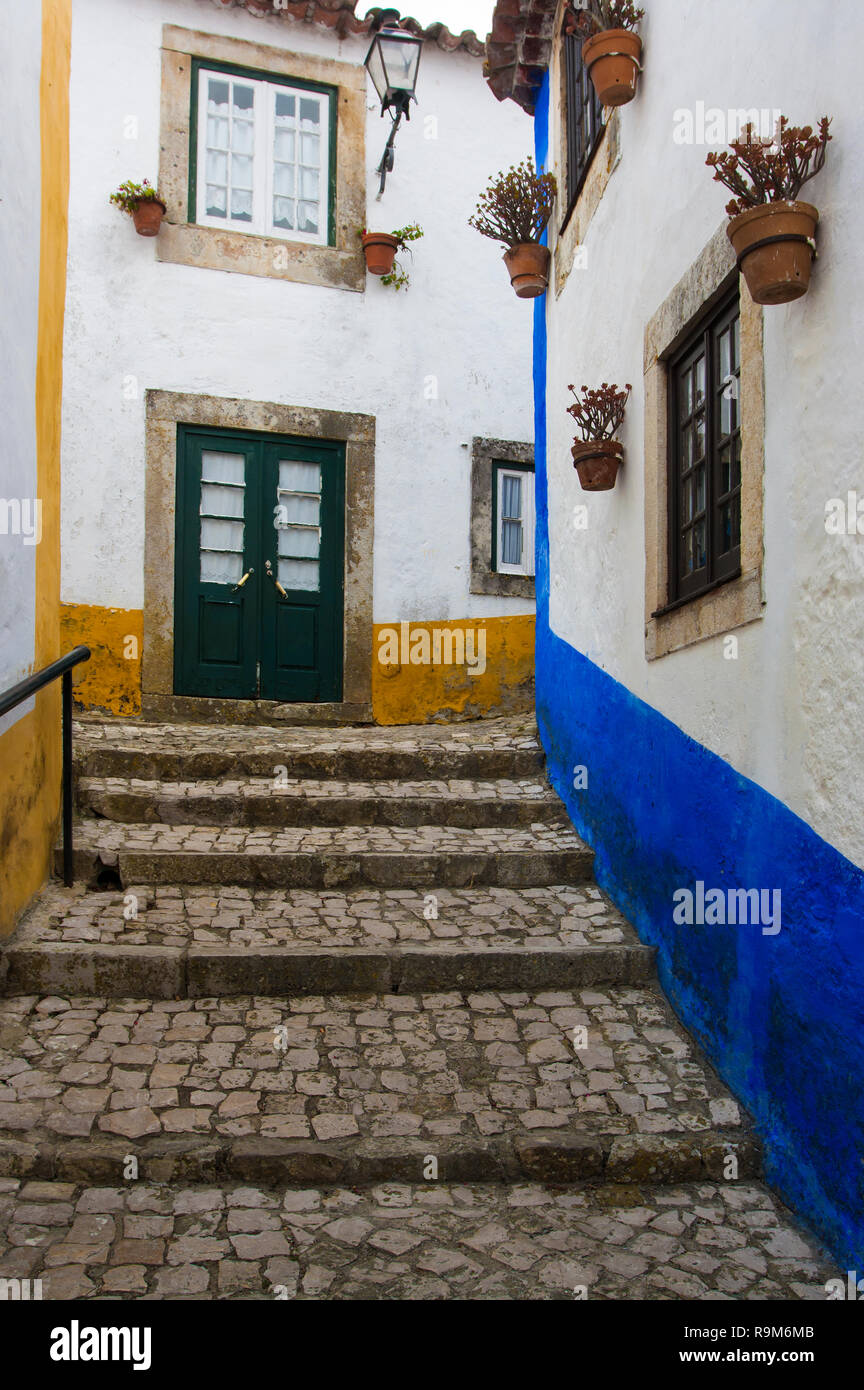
(261,162)
(705,456)
(513,512)
(584,116)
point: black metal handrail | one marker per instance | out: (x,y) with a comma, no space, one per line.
(22,691)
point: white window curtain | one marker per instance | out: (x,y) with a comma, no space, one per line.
(298,521)
(263,157)
(222,511)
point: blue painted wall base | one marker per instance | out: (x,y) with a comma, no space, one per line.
(781,1016)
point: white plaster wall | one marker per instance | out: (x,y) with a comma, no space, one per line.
(20,60)
(788,711)
(132,321)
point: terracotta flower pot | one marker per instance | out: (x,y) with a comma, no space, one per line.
(775,245)
(612,59)
(528,265)
(380,249)
(597,463)
(147,217)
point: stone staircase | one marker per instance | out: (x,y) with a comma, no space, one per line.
(304,961)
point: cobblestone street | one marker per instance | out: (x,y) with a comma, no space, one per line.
(431,558)
(434,1067)
(466,918)
(483,1241)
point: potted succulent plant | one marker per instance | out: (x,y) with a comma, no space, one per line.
(599,414)
(144,205)
(611,51)
(514,210)
(380,250)
(774,235)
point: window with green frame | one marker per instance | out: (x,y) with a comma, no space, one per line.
(263,151)
(512,518)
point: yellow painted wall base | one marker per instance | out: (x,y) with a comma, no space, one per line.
(422,672)
(415,688)
(111,679)
(30,805)
(30,750)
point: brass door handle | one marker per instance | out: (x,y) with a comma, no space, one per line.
(270,575)
(247,576)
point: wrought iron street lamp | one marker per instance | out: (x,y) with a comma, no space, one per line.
(393,62)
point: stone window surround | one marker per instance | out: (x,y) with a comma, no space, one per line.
(485,580)
(738,601)
(341,266)
(165,410)
(572,222)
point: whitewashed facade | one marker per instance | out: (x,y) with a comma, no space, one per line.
(433,367)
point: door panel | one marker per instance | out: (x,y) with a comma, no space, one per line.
(303,599)
(297,636)
(259,591)
(215,623)
(221,628)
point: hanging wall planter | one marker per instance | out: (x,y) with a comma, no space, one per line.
(775,246)
(599,414)
(380,249)
(147,217)
(597,463)
(528,265)
(611,52)
(515,210)
(773,234)
(143,204)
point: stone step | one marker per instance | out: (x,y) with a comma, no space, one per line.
(329,857)
(433,1240)
(303,801)
(196,942)
(483,750)
(559,1087)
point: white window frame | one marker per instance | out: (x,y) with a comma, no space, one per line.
(264,108)
(526,568)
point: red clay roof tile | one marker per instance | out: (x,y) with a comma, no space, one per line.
(339,16)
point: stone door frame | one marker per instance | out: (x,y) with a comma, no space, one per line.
(165,410)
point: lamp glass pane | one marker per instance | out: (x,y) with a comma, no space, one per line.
(375,68)
(401,60)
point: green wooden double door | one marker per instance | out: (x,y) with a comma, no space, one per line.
(259,565)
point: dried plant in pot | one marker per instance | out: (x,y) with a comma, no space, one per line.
(380,249)
(773,233)
(599,414)
(515,210)
(611,51)
(143,204)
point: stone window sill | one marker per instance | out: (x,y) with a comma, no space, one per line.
(721,610)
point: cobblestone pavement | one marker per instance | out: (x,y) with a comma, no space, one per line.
(334,789)
(435,1066)
(259,1125)
(699,1241)
(492,918)
(538,838)
(515,732)
(260,801)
